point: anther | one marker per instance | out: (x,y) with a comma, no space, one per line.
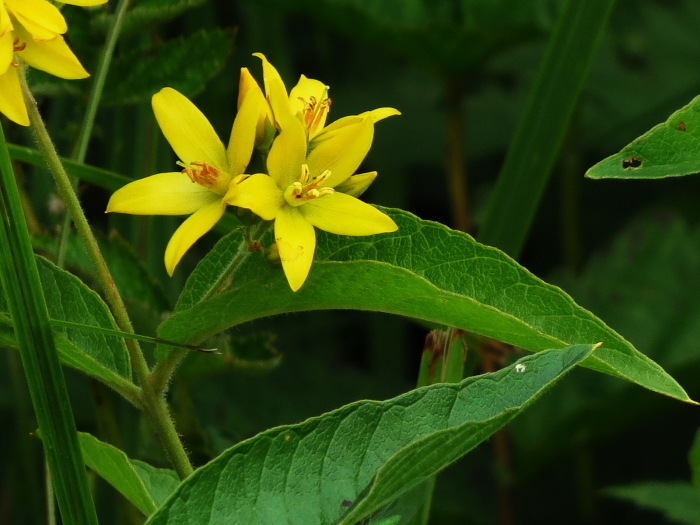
(16,46)
(201,173)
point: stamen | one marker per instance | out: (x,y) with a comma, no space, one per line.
(201,173)
(314,111)
(16,46)
(304,190)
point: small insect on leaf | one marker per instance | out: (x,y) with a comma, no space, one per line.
(631,163)
(681,126)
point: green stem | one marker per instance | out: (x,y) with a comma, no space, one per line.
(93,103)
(156,407)
(98,83)
(153,404)
(51,518)
(69,197)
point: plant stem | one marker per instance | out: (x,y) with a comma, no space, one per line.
(156,407)
(153,404)
(93,103)
(456,170)
(69,197)
(98,83)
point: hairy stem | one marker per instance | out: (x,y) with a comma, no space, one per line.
(69,197)
(154,404)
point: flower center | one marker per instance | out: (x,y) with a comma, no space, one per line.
(314,112)
(306,189)
(206,175)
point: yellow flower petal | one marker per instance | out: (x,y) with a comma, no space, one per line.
(53,56)
(259,194)
(190,231)
(187,130)
(342,153)
(11,100)
(5,22)
(342,214)
(296,242)
(380,113)
(357,184)
(161,194)
(287,154)
(84,3)
(247,85)
(276,94)
(334,127)
(41,18)
(242,141)
(6,50)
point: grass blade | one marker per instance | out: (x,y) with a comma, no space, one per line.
(543,124)
(20,281)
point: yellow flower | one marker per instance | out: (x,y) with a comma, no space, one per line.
(33,29)
(307,102)
(208,171)
(299,192)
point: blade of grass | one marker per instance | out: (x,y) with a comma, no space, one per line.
(543,124)
(47,387)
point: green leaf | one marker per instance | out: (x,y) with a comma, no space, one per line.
(543,124)
(68,299)
(143,485)
(22,289)
(185,64)
(425,271)
(671,149)
(130,275)
(146,13)
(644,286)
(76,358)
(677,501)
(347,464)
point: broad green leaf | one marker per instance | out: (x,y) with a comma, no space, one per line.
(644,286)
(68,299)
(347,464)
(671,149)
(143,485)
(130,275)
(677,501)
(185,64)
(425,271)
(146,13)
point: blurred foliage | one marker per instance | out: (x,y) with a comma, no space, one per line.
(638,243)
